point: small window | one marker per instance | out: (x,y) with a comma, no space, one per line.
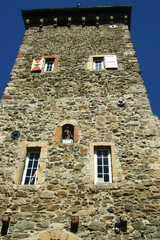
(98,63)
(102,62)
(102,165)
(31,167)
(45,64)
(49,65)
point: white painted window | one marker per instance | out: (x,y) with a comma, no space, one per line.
(49,65)
(102,165)
(98,63)
(31,167)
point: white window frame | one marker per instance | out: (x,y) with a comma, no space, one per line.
(98,61)
(27,167)
(102,180)
(46,66)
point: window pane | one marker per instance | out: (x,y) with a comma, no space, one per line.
(106,169)
(106,178)
(99,161)
(100,175)
(105,161)
(99,153)
(31,155)
(28,172)
(30,164)
(35,164)
(26,180)
(98,63)
(32,180)
(33,171)
(99,170)
(49,65)
(105,153)
(37,156)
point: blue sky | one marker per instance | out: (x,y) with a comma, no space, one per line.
(145,33)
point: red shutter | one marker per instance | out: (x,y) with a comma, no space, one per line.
(76,134)
(37,64)
(58,135)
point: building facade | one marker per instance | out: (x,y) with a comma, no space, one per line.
(79,144)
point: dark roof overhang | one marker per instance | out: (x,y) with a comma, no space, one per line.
(105,14)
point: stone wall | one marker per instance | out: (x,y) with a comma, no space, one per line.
(37,103)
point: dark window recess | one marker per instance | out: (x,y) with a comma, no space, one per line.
(67,133)
(5,226)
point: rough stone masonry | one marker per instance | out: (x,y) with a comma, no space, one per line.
(107,108)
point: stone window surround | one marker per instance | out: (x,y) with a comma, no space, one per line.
(90,63)
(23,147)
(91,60)
(56,63)
(113,160)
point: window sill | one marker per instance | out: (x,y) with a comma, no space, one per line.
(46,72)
(30,188)
(101,186)
(66,144)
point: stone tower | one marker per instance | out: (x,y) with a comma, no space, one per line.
(79,143)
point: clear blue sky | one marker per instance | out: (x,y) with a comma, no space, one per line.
(145,32)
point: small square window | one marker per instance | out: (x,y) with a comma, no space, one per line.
(49,65)
(98,63)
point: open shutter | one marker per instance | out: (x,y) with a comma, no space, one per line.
(37,64)
(111,61)
(76,134)
(58,135)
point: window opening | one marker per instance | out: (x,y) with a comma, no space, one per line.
(98,63)
(31,166)
(102,165)
(67,133)
(49,65)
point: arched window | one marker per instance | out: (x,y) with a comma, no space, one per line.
(67,133)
